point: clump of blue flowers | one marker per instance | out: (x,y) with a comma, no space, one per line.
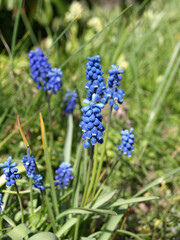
(1,202)
(127,139)
(70,100)
(29,163)
(95,78)
(112,93)
(38,183)
(10,171)
(54,83)
(42,73)
(91,123)
(63,175)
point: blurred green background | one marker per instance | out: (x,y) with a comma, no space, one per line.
(145,41)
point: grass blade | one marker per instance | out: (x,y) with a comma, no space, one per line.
(68,142)
(120,202)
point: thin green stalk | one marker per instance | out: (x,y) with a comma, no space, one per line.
(88,177)
(51,215)
(15,32)
(76,174)
(76,233)
(103,151)
(20,203)
(93,171)
(106,179)
(30,182)
(31,194)
(50,123)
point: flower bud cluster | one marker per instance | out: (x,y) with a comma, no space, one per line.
(29,163)
(95,78)
(10,171)
(42,73)
(63,175)
(127,142)
(112,93)
(1,202)
(91,123)
(70,99)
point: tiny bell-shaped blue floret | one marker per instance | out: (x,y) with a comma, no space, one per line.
(70,100)
(95,78)
(1,202)
(127,139)
(40,67)
(38,183)
(29,163)
(10,171)
(54,83)
(91,123)
(113,94)
(63,175)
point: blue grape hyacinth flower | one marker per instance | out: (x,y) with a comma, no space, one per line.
(91,123)
(40,67)
(10,171)
(38,183)
(1,202)
(54,83)
(113,94)
(127,139)
(95,78)
(70,100)
(29,163)
(63,175)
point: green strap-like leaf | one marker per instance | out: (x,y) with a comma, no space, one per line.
(19,232)
(44,236)
(68,142)
(66,226)
(120,202)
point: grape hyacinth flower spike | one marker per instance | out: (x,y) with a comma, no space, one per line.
(54,83)
(70,100)
(113,94)
(29,163)
(10,171)
(40,67)
(42,73)
(91,123)
(1,202)
(95,78)
(63,175)
(127,139)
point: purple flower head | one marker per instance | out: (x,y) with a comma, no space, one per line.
(29,163)
(1,202)
(54,83)
(127,139)
(70,100)
(95,78)
(38,183)
(63,175)
(91,123)
(40,67)
(113,94)
(10,171)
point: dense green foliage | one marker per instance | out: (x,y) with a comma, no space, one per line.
(147,47)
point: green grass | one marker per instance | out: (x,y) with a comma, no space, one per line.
(148,47)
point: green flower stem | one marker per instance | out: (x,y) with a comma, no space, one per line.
(50,123)
(77,175)
(106,179)
(103,151)
(51,214)
(31,194)
(20,203)
(93,172)
(30,182)
(85,196)
(76,233)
